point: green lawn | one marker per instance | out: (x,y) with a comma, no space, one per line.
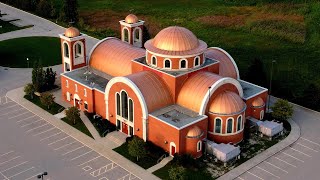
(14,52)
(7,27)
(79,125)
(54,109)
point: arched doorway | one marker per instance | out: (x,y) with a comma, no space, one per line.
(76,101)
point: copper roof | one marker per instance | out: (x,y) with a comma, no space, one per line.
(227,103)
(194,132)
(72,32)
(175,41)
(227,67)
(195,89)
(258,102)
(131,18)
(112,56)
(153,89)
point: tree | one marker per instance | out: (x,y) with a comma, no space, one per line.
(38,76)
(282,110)
(45,8)
(69,11)
(47,99)
(177,173)
(73,114)
(311,96)
(256,73)
(29,90)
(50,78)
(136,148)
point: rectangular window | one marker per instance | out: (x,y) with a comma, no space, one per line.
(68,96)
(85,106)
(85,93)
(67,83)
(229,126)
(76,88)
(118,104)
(217,128)
(130,110)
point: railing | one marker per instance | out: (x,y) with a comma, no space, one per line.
(161,158)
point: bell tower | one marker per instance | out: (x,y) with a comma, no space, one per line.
(132,30)
(73,49)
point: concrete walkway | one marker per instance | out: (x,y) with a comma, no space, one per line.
(105,148)
(160,165)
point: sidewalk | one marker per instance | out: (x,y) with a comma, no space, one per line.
(293,137)
(105,148)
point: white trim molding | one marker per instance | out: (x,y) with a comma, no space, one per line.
(172,144)
(215,86)
(129,34)
(183,59)
(164,63)
(232,125)
(229,56)
(137,91)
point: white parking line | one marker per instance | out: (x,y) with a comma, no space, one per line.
(44,131)
(80,155)
(64,145)
(58,140)
(38,127)
(6,153)
(21,172)
(5,177)
(50,136)
(9,160)
(285,162)
(310,141)
(300,152)
(89,161)
(8,107)
(31,123)
(268,172)
(307,147)
(276,167)
(33,176)
(103,178)
(14,166)
(292,157)
(11,112)
(72,150)
(254,175)
(26,118)
(11,117)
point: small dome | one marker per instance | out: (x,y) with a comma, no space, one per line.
(194,132)
(227,103)
(72,32)
(258,102)
(175,41)
(131,18)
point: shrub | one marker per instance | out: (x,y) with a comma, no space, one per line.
(282,110)
(177,173)
(45,8)
(47,99)
(136,148)
(29,90)
(73,114)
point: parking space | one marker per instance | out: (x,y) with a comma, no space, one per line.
(72,152)
(287,161)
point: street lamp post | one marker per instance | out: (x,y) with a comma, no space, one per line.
(270,85)
(28,62)
(40,176)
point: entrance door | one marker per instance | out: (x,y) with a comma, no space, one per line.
(124,128)
(172,148)
(77,103)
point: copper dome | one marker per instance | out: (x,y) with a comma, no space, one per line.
(194,132)
(72,32)
(258,102)
(227,103)
(177,41)
(131,18)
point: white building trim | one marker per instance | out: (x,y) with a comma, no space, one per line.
(183,59)
(164,63)
(129,35)
(215,86)
(172,144)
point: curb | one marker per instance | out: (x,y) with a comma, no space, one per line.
(251,163)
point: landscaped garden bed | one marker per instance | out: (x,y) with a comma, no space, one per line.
(7,27)
(54,108)
(103,126)
(79,126)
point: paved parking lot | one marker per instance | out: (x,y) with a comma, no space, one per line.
(284,164)
(44,147)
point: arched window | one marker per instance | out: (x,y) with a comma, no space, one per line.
(239,123)
(66,50)
(137,35)
(125,35)
(196,61)
(229,125)
(167,64)
(78,50)
(183,64)
(154,60)
(124,104)
(199,146)
(118,104)
(261,114)
(217,125)
(130,110)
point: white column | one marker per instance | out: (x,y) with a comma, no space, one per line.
(144,128)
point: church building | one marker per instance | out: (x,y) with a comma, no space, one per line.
(175,92)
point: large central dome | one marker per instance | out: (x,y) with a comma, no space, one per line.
(175,40)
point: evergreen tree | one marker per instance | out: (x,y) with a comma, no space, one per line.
(38,76)
(45,8)
(256,73)
(69,11)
